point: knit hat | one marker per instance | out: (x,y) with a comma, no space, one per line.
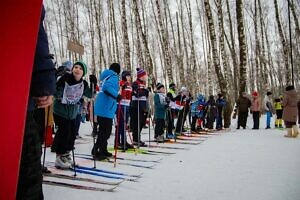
(140,72)
(115,67)
(124,74)
(254,94)
(159,85)
(183,89)
(172,85)
(82,65)
(68,65)
(290,87)
(269,93)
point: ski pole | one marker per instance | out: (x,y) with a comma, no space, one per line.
(93,123)
(116,135)
(46,135)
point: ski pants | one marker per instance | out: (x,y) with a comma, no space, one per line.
(242,119)
(219,124)
(170,120)
(179,124)
(30,173)
(105,127)
(255,115)
(123,120)
(137,115)
(159,127)
(269,115)
(65,135)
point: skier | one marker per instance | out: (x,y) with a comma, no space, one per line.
(279,110)
(171,112)
(268,106)
(255,109)
(197,112)
(211,112)
(105,109)
(70,89)
(242,105)
(126,92)
(289,103)
(161,104)
(139,108)
(220,103)
(42,89)
(180,101)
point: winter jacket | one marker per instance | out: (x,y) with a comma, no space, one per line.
(289,103)
(126,92)
(268,106)
(278,104)
(160,105)
(140,95)
(67,104)
(106,100)
(220,105)
(243,104)
(256,105)
(43,73)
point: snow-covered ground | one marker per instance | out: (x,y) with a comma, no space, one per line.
(237,165)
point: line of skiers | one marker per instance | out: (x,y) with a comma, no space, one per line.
(126,103)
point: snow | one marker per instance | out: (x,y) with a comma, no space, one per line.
(239,164)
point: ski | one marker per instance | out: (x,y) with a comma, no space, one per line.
(166,147)
(187,138)
(105,171)
(140,150)
(119,163)
(76,186)
(129,159)
(172,141)
(100,174)
(136,151)
(71,177)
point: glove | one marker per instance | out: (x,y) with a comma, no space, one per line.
(119,97)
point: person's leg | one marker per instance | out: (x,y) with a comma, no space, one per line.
(268,119)
(30,173)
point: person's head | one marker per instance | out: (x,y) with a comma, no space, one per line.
(141,74)
(79,70)
(269,93)
(67,65)
(172,86)
(244,94)
(290,87)
(160,88)
(184,91)
(115,67)
(254,94)
(126,76)
(220,96)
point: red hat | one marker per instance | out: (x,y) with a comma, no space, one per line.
(140,72)
(255,94)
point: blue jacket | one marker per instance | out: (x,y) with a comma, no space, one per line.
(106,100)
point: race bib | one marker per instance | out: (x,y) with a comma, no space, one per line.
(72,93)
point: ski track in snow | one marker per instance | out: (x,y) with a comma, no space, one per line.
(237,165)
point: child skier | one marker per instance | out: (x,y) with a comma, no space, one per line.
(161,104)
(279,110)
(70,89)
(126,92)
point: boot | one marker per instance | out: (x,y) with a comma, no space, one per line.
(295,131)
(62,162)
(289,132)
